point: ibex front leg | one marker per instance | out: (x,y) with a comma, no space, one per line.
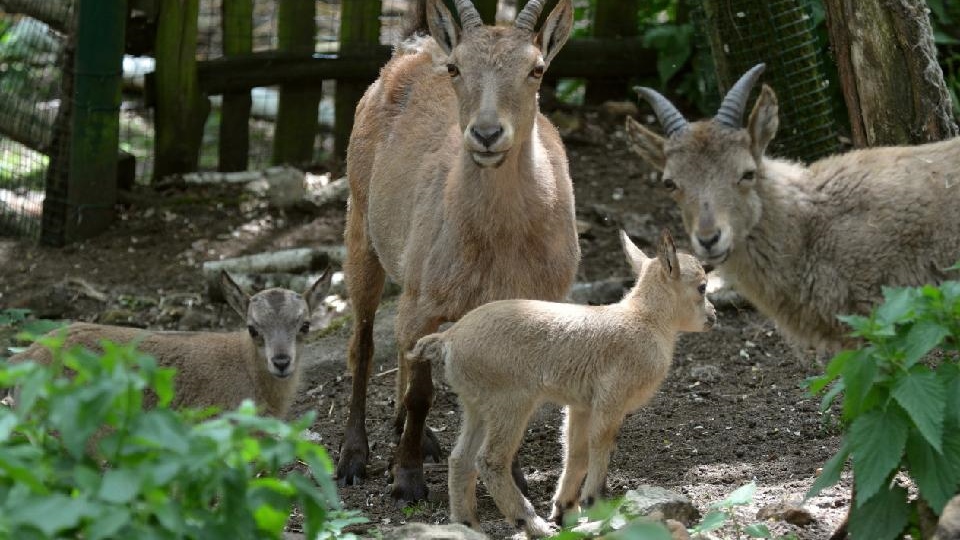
(365,278)
(417,397)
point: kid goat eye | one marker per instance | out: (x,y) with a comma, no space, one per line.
(253,332)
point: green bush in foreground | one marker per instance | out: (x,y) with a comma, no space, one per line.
(900,409)
(81,458)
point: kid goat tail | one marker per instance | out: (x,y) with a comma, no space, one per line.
(430,348)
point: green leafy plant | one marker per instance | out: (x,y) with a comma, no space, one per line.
(80,457)
(899,397)
(618,519)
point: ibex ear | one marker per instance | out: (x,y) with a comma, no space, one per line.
(442,25)
(555,30)
(763,122)
(236,298)
(315,294)
(667,253)
(647,144)
(635,257)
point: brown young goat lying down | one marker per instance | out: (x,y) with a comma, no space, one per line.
(221,368)
(505,358)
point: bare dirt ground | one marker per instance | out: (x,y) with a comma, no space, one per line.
(731,411)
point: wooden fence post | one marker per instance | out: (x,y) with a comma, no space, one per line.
(180,109)
(359,32)
(235,113)
(613,19)
(86,202)
(296,128)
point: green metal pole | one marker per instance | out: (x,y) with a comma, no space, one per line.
(296,128)
(359,32)
(95,126)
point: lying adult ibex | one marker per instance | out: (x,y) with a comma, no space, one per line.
(506,358)
(261,363)
(805,243)
(459,191)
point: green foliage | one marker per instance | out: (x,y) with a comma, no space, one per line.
(80,457)
(900,407)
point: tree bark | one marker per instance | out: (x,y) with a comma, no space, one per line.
(891,81)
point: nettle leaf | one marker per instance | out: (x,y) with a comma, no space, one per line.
(922,338)
(836,366)
(830,474)
(950,373)
(741,496)
(50,514)
(882,517)
(712,521)
(858,377)
(877,440)
(270,519)
(937,474)
(757,530)
(831,395)
(108,523)
(119,486)
(922,395)
(897,304)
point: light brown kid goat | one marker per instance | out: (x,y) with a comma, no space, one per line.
(261,363)
(459,192)
(506,358)
(805,243)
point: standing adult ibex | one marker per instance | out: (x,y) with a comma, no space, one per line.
(459,191)
(805,243)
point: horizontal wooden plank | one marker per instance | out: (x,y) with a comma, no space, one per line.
(587,58)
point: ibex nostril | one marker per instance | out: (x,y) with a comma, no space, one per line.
(487,135)
(709,242)
(281,361)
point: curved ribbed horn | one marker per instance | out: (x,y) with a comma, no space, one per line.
(670,118)
(731,110)
(469,16)
(527,18)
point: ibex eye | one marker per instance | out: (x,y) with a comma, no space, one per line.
(453,70)
(305,327)
(669,184)
(702,289)
(748,176)
(253,332)
(537,71)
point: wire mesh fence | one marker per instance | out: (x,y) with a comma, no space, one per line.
(779,33)
(32,58)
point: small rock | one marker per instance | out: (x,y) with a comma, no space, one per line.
(721,293)
(566,123)
(705,373)
(598,293)
(196,319)
(119,317)
(617,109)
(788,512)
(647,499)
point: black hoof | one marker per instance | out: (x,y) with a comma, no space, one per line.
(408,485)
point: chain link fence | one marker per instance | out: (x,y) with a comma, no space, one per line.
(33,60)
(780,33)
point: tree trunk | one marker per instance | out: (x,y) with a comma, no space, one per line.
(614,19)
(891,82)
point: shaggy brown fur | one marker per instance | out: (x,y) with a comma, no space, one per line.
(807,243)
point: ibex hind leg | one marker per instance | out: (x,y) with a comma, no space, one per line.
(365,277)
(417,397)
